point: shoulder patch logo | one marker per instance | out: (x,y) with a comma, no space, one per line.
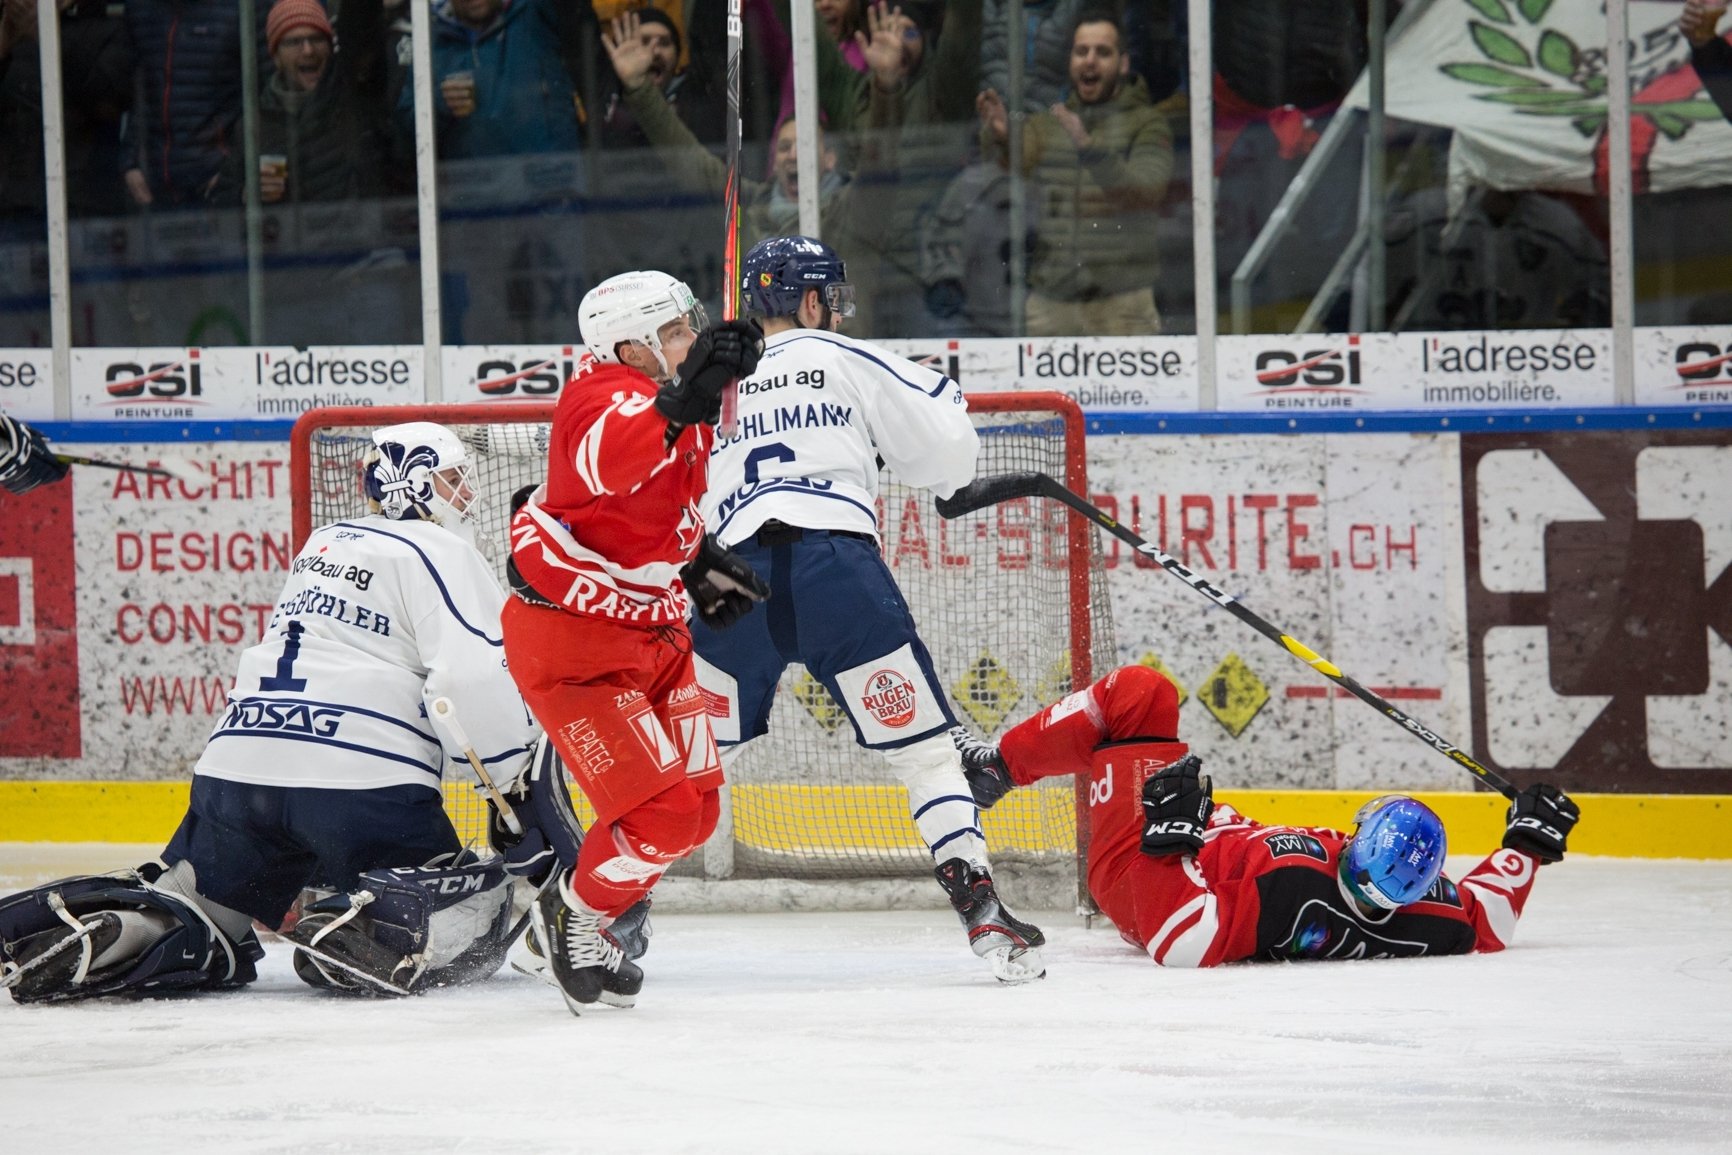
(1285,844)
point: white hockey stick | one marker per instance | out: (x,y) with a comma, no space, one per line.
(445,714)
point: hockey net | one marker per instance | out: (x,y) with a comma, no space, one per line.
(1011,601)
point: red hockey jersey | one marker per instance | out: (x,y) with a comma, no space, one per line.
(1254,891)
(618,516)
(1271,892)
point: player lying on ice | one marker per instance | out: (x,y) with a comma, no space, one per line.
(1195,883)
(325,772)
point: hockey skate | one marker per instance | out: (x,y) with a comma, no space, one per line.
(582,959)
(996,935)
(983,766)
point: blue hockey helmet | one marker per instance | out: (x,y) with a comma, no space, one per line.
(777,272)
(1395,853)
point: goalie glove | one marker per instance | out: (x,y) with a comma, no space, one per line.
(25,459)
(1177,803)
(720,356)
(1540,820)
(722,586)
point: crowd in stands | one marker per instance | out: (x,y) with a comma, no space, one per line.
(915,102)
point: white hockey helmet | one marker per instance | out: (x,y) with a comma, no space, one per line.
(419,470)
(634,307)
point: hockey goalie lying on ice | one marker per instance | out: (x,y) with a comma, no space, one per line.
(1195,883)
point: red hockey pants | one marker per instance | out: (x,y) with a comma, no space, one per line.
(622,705)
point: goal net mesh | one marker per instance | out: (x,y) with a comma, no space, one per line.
(1011,601)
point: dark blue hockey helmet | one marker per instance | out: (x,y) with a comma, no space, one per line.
(778,271)
(1395,853)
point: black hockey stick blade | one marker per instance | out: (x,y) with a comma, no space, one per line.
(172,467)
(986,491)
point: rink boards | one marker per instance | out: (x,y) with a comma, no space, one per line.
(1557,602)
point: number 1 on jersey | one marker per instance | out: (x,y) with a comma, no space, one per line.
(285,679)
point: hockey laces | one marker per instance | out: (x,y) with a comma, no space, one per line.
(586,945)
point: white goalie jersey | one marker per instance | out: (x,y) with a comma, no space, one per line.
(378,619)
(813,422)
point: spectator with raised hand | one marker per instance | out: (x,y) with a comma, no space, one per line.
(188,64)
(1103,157)
(96,78)
(767,66)
(916,130)
(501,84)
(1046,47)
(1710,53)
(651,34)
(766,208)
(315,142)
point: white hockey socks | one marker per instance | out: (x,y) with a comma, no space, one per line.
(939,799)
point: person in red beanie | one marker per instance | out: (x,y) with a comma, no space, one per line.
(315,144)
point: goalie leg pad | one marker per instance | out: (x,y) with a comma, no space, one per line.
(552,834)
(98,935)
(405,929)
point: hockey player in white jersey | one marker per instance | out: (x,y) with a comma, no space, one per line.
(324,770)
(794,493)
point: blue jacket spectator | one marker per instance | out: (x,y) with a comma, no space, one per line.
(189,82)
(501,84)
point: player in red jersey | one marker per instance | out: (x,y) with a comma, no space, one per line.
(1195,883)
(606,558)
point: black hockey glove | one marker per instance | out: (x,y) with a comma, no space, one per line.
(1177,803)
(25,459)
(983,766)
(721,355)
(722,586)
(1540,820)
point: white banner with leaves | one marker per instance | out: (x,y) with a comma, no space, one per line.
(1523,84)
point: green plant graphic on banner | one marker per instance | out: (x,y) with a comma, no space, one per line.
(1540,71)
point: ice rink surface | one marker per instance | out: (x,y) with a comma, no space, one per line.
(1608,1027)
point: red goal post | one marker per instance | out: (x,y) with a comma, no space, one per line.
(1014,608)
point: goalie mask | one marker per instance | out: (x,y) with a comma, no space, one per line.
(634,307)
(1395,854)
(421,471)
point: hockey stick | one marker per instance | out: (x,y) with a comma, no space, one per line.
(730,422)
(446,714)
(172,467)
(1008,486)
